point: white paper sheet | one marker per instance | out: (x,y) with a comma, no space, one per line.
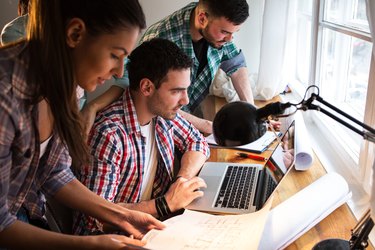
(257,146)
(265,229)
(295,216)
(197,230)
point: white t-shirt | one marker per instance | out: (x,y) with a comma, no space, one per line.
(148,132)
(43,146)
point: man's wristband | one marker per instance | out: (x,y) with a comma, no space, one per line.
(162,207)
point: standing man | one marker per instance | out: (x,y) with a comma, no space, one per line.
(204,31)
(133,140)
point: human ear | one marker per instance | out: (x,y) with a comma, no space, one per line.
(75,31)
(202,17)
(146,86)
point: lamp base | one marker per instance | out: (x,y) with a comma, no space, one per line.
(332,244)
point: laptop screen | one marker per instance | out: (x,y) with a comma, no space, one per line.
(236,187)
(278,164)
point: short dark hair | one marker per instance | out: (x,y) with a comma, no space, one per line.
(236,11)
(153,59)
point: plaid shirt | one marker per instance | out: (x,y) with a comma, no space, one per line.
(24,179)
(118,151)
(176,28)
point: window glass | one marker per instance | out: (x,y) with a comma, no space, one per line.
(344,65)
(344,71)
(348,13)
(337,59)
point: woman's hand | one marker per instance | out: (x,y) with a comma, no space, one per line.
(275,124)
(113,241)
(138,223)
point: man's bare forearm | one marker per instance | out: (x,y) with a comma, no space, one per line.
(204,126)
(241,84)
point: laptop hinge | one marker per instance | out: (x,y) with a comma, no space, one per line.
(259,190)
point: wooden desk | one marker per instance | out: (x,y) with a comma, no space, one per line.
(337,225)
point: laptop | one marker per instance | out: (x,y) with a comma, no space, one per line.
(238,188)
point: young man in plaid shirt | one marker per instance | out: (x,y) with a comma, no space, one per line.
(204,31)
(134,139)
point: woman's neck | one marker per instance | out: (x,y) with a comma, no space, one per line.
(45,120)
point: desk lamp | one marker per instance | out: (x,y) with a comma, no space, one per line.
(239,123)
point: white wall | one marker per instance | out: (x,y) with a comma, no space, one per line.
(248,38)
(157,9)
(8,11)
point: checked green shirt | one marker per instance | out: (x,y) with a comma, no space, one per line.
(175,27)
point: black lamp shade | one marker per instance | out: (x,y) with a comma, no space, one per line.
(236,124)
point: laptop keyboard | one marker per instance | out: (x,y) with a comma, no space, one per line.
(236,189)
(271,185)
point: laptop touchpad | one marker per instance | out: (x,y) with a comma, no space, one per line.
(212,183)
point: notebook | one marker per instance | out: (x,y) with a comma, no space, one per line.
(258,146)
(237,188)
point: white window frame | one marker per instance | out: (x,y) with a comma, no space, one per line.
(334,156)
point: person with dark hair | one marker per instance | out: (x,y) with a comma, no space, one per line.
(133,140)
(41,135)
(204,31)
(16,29)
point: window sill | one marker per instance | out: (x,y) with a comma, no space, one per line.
(333,161)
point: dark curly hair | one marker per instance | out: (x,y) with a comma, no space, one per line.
(236,11)
(153,59)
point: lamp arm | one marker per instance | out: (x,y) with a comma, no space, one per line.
(359,239)
(368,133)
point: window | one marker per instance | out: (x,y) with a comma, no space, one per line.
(336,35)
(345,56)
(327,43)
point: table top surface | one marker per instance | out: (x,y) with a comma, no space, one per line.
(336,225)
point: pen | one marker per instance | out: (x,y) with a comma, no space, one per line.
(251,156)
(271,166)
